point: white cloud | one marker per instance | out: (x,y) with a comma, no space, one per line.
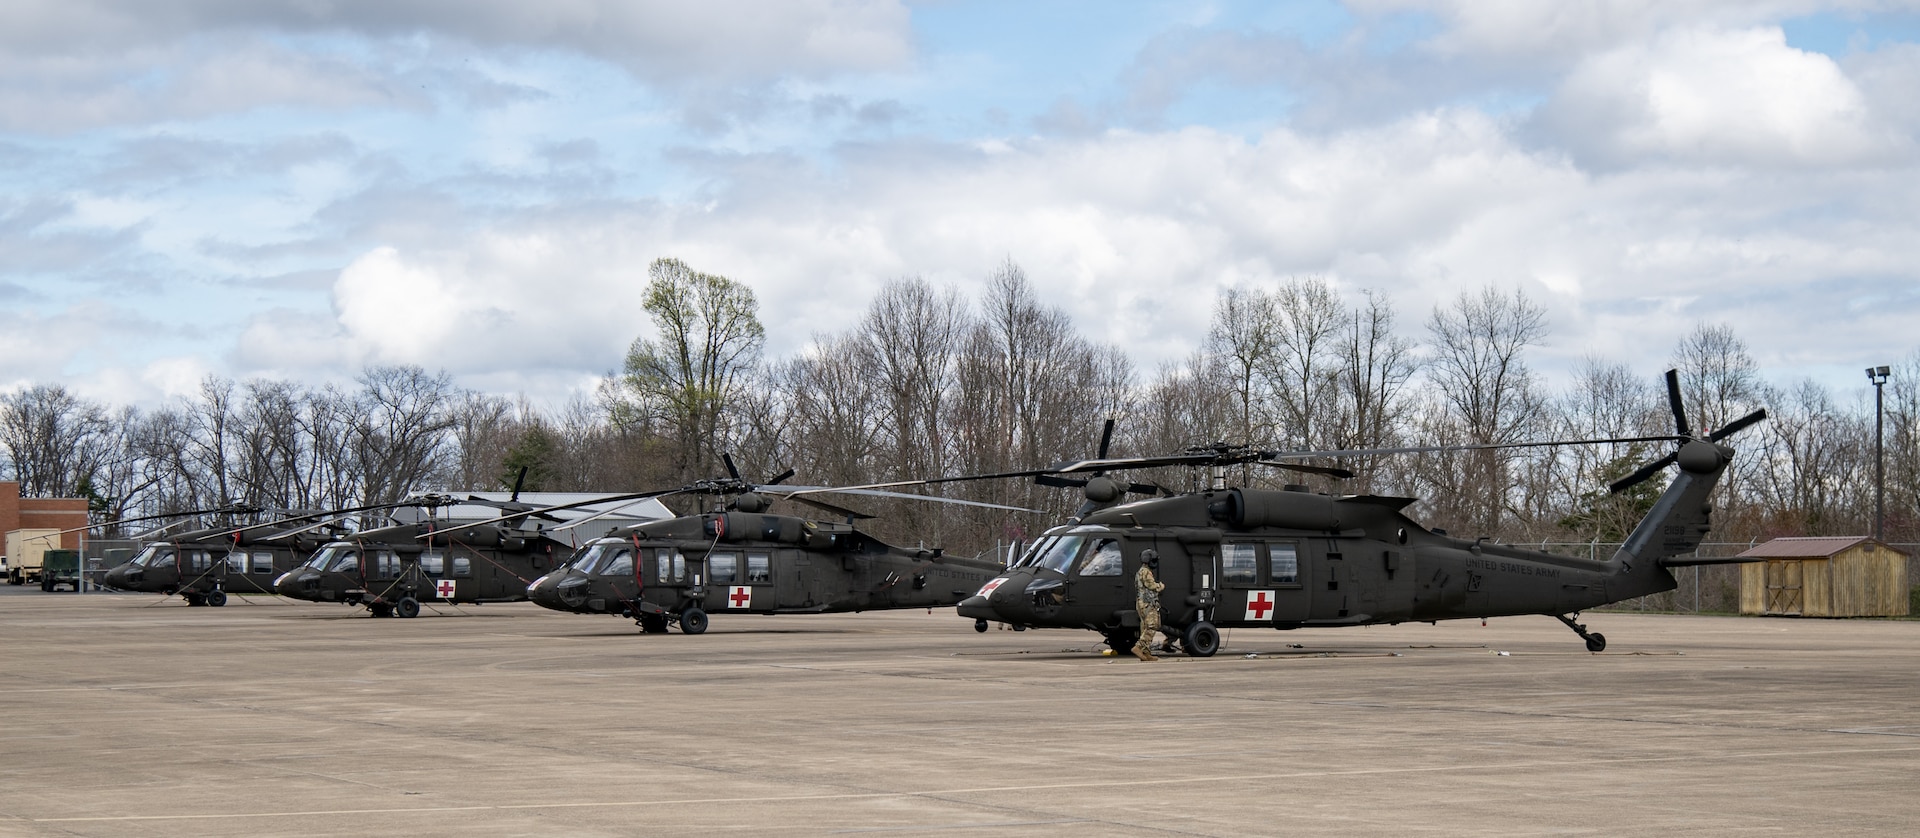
(720,40)
(1740,98)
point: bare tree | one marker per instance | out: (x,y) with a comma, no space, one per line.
(1482,382)
(402,432)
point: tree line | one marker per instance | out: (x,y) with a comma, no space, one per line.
(928,382)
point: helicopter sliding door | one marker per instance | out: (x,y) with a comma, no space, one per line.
(1262,583)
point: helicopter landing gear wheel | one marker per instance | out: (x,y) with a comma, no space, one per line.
(407,607)
(980,625)
(653,623)
(1596,642)
(216,598)
(693,621)
(1121,640)
(1201,639)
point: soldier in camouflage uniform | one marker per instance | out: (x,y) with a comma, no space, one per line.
(1147,602)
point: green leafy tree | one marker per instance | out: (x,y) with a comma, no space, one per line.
(684,379)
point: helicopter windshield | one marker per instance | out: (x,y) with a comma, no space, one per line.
(153,556)
(588,560)
(1060,554)
(337,558)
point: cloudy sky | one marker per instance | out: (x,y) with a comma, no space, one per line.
(298,190)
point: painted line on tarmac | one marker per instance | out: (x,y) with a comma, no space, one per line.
(946,793)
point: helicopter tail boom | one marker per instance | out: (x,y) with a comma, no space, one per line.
(1675,526)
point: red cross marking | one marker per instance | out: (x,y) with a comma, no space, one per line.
(444,588)
(1259,604)
(739,596)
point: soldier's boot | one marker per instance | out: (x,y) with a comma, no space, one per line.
(1140,651)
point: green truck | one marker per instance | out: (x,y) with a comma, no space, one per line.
(60,567)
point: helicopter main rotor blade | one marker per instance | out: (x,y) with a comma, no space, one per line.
(1106,438)
(634,496)
(1470,446)
(798,493)
(1329,471)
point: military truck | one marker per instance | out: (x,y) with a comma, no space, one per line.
(24,551)
(60,567)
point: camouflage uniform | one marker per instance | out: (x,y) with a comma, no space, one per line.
(1147,602)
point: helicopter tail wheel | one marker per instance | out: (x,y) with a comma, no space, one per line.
(693,621)
(980,625)
(1596,642)
(1201,639)
(216,597)
(407,607)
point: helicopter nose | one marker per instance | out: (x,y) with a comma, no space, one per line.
(994,601)
(297,584)
(545,592)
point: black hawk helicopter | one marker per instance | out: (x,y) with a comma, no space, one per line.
(202,566)
(392,570)
(741,559)
(1238,557)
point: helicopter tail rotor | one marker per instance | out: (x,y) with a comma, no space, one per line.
(1685,436)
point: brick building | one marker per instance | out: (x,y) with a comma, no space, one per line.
(18,513)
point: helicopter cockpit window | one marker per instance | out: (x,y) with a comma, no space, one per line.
(1285,564)
(588,561)
(433,562)
(1102,560)
(759,567)
(153,556)
(723,568)
(1060,554)
(619,562)
(345,561)
(1240,563)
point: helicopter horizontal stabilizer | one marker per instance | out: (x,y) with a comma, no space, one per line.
(1701,561)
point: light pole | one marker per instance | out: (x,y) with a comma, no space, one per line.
(1878,375)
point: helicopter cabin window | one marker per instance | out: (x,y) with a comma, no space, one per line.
(1239,563)
(199,560)
(759,568)
(1102,560)
(723,568)
(673,566)
(386,565)
(462,566)
(433,562)
(236,562)
(619,562)
(1284,564)
(263,562)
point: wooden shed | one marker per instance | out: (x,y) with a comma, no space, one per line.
(1846,576)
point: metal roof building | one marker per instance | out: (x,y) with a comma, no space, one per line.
(1844,576)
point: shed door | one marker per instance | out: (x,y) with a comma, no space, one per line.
(1783,587)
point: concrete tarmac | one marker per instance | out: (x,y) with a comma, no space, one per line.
(131,715)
